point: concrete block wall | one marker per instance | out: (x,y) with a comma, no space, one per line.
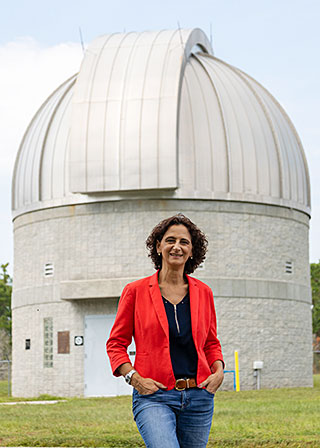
(66,377)
(97,248)
(268,331)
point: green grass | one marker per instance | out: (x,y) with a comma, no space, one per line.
(265,418)
(4,398)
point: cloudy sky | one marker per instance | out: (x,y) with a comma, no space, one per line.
(275,41)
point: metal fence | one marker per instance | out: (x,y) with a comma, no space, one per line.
(5,373)
(316,362)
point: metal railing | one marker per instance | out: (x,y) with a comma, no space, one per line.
(234,377)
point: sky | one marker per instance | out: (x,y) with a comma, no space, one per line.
(276,42)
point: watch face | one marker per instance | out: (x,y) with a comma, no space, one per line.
(128,376)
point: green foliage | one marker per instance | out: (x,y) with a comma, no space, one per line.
(5,300)
(315,286)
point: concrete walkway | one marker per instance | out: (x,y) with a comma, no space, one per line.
(33,402)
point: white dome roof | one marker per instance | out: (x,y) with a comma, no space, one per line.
(156,115)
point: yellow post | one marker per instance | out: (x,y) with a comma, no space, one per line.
(236,366)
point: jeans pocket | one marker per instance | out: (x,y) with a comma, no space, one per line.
(146,395)
(209,393)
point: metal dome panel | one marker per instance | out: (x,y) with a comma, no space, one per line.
(151,116)
(39,171)
(235,140)
(123,133)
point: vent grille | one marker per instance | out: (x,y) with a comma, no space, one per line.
(48,270)
(289,267)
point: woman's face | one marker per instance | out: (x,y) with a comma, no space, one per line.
(175,247)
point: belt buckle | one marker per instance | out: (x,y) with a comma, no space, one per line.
(184,381)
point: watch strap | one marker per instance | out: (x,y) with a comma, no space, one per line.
(128,376)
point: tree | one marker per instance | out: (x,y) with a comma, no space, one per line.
(315,286)
(5,301)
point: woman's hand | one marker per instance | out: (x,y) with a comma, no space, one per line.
(214,381)
(145,386)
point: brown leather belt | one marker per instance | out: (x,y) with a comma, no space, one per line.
(185,383)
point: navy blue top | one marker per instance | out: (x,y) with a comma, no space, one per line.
(183,353)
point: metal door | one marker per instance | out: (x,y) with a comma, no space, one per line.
(98,377)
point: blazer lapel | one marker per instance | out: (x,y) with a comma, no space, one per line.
(194,308)
(158,303)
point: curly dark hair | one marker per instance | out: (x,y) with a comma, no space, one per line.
(198,239)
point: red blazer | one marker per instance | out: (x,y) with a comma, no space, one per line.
(141,314)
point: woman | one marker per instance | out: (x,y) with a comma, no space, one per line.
(179,364)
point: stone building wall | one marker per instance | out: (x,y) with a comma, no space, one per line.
(31,377)
(96,249)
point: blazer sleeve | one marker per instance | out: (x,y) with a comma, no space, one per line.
(212,347)
(122,331)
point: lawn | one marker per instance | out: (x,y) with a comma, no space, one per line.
(265,418)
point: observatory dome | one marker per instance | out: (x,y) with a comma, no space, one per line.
(153,125)
(156,114)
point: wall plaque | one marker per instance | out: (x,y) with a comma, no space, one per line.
(63,341)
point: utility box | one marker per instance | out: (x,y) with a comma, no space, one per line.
(257,365)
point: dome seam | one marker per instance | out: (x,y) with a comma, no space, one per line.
(48,128)
(223,119)
(207,118)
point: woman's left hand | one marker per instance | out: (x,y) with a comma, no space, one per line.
(214,381)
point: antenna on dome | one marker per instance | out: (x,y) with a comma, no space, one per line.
(179,28)
(81,39)
(211,35)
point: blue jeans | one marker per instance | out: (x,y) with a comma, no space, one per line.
(174,419)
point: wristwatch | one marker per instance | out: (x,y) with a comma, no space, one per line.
(128,376)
